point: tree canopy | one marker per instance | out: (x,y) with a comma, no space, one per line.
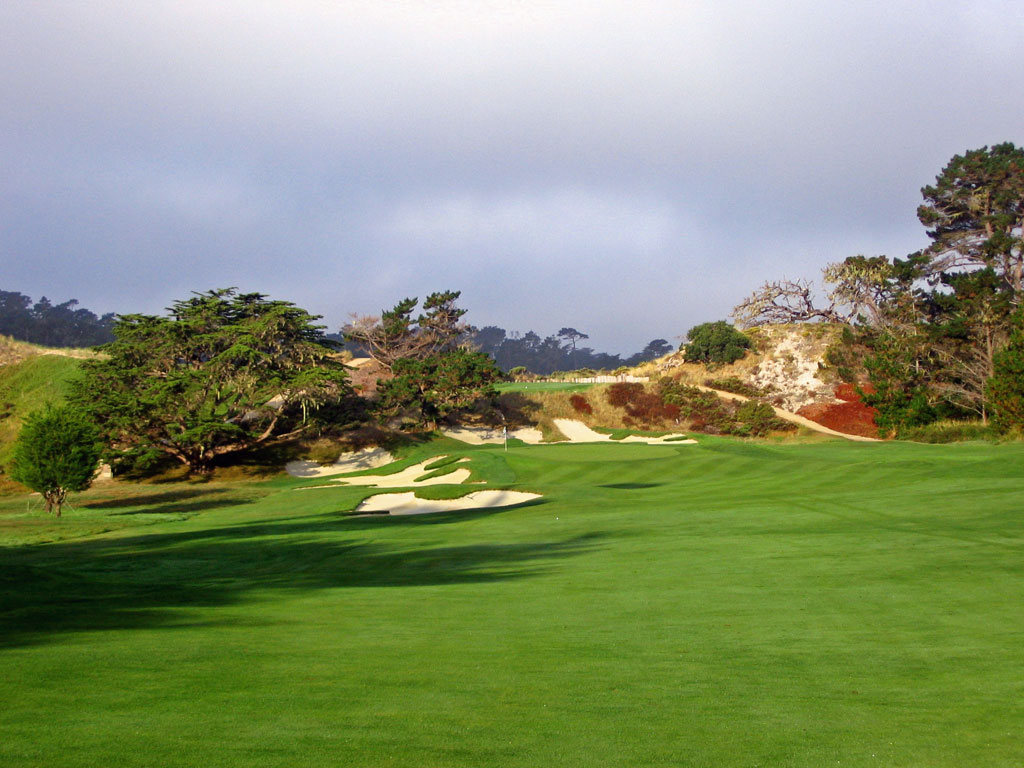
(429,389)
(975,214)
(395,334)
(57,451)
(716,342)
(223,372)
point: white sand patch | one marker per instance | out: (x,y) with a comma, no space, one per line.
(663,440)
(357,461)
(407,476)
(488,435)
(408,504)
(578,432)
(358,362)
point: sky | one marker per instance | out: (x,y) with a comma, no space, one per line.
(630,169)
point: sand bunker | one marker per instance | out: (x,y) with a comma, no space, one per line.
(485,435)
(405,478)
(408,504)
(358,461)
(578,432)
(575,431)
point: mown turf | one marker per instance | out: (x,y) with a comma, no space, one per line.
(726,604)
(542,386)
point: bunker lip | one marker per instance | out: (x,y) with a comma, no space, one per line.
(407,503)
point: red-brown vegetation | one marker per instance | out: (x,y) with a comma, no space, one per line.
(850,416)
(580,405)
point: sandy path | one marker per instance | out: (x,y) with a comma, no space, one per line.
(408,504)
(793,417)
(358,461)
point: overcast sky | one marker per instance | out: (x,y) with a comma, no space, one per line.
(630,169)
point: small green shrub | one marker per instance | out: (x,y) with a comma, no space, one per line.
(734,385)
(716,342)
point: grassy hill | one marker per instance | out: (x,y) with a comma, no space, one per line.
(28,384)
(731,603)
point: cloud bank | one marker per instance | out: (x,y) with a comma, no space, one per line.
(629,169)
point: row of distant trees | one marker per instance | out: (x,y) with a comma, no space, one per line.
(69,325)
(52,325)
(557,352)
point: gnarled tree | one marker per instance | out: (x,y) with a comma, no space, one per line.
(395,334)
(223,373)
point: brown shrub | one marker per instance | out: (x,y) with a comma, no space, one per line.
(580,405)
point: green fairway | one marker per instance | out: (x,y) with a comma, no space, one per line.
(542,386)
(723,604)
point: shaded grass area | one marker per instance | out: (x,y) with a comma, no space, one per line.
(730,603)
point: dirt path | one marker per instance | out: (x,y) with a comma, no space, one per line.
(793,417)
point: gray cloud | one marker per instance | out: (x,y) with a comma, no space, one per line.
(630,169)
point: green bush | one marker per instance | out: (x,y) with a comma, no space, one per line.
(57,451)
(707,412)
(734,385)
(716,342)
(1006,387)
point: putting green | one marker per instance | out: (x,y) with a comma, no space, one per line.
(603,452)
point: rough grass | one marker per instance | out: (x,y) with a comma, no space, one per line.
(725,604)
(29,385)
(950,432)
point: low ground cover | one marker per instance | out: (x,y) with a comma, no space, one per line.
(727,603)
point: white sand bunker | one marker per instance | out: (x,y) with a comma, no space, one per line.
(485,435)
(358,461)
(578,432)
(575,431)
(408,504)
(406,477)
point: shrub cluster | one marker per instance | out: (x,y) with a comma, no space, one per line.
(706,412)
(734,385)
(580,405)
(642,407)
(950,432)
(716,342)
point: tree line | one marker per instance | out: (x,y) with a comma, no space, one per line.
(52,325)
(557,352)
(68,325)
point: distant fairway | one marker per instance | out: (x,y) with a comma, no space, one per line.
(724,604)
(542,386)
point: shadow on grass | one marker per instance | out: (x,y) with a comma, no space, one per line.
(632,486)
(146,582)
(150,499)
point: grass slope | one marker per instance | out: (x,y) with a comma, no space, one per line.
(28,385)
(727,604)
